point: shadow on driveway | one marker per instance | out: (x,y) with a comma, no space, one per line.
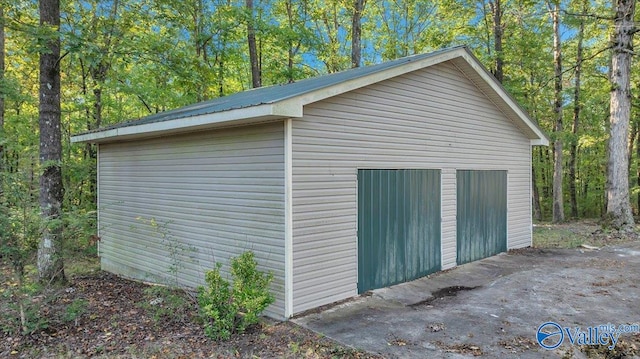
(492,307)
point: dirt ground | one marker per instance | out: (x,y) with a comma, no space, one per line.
(116,319)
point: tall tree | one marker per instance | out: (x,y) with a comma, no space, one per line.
(498,30)
(1,92)
(1,117)
(256,76)
(294,33)
(558,200)
(618,205)
(50,262)
(573,153)
(329,19)
(97,38)
(356,33)
(638,166)
(403,25)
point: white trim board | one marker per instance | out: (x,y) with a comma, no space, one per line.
(288,218)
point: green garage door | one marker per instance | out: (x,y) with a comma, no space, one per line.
(398,226)
(482,214)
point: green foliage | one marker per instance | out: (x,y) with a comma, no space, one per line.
(75,309)
(79,226)
(166,305)
(23,303)
(26,318)
(20,220)
(227,308)
(217,306)
(250,288)
(27,306)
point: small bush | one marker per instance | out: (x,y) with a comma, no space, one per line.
(23,316)
(24,308)
(228,309)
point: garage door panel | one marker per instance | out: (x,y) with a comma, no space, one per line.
(398,226)
(481,214)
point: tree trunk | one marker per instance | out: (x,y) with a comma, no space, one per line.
(619,215)
(1,95)
(1,65)
(256,76)
(292,50)
(356,33)
(537,210)
(498,31)
(576,119)
(1,117)
(630,144)
(220,59)
(50,262)
(558,203)
(638,167)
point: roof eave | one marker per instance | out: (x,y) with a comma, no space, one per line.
(254,114)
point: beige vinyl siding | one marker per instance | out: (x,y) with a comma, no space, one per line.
(448,229)
(213,195)
(434,118)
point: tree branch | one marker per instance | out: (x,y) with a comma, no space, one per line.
(140,98)
(593,16)
(572,68)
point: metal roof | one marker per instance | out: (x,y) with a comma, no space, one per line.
(270,94)
(287,100)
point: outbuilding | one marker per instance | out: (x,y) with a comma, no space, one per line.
(339,184)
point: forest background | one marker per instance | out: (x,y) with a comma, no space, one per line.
(124,59)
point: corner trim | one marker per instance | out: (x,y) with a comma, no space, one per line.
(288,217)
(98,198)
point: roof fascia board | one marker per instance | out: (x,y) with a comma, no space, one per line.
(542,139)
(375,77)
(282,109)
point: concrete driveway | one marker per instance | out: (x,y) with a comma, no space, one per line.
(494,307)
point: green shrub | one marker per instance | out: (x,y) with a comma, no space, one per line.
(23,316)
(23,310)
(228,309)
(216,305)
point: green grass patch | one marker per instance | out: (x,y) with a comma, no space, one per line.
(546,236)
(570,235)
(81,265)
